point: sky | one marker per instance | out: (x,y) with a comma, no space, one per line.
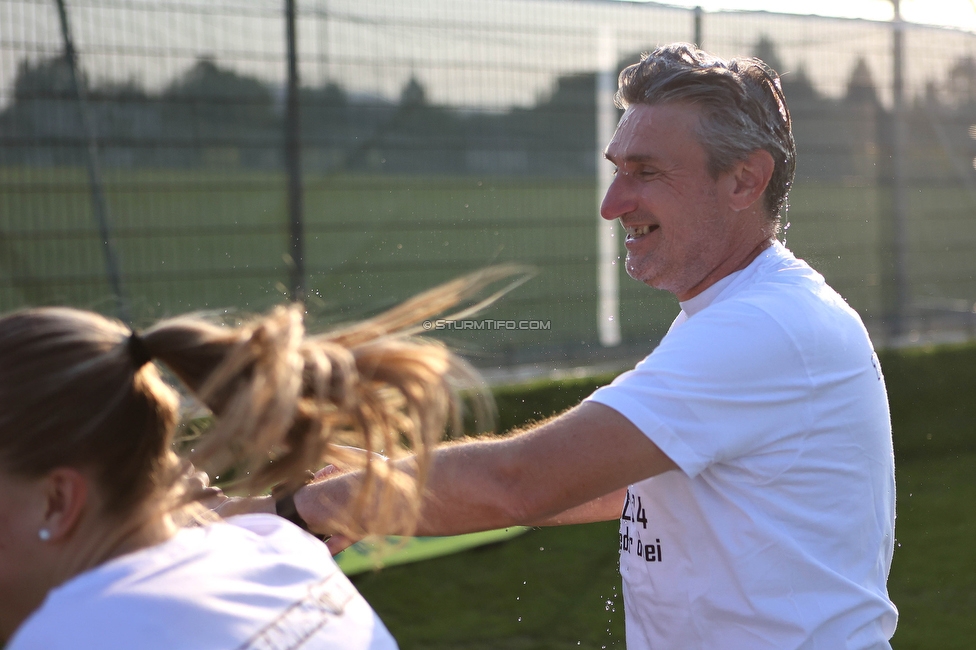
(952,13)
(472,53)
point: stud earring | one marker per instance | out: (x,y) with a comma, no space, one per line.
(44,534)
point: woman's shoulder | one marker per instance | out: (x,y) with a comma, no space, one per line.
(202,587)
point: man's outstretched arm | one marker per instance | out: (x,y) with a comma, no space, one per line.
(605,508)
(568,470)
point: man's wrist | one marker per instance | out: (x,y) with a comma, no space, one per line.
(286,507)
(303,501)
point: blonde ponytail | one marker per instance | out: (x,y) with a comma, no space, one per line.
(78,389)
(284,402)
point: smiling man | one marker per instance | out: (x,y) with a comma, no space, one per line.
(748,457)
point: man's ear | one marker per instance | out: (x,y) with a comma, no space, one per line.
(751,177)
(66,493)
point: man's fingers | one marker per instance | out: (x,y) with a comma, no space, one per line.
(212,497)
(327,470)
(194,479)
(245,505)
(338,543)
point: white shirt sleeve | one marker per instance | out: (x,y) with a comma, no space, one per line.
(719,386)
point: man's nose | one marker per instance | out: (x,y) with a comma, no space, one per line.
(619,200)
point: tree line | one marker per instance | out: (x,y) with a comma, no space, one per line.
(212,116)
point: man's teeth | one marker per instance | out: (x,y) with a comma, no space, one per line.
(637,231)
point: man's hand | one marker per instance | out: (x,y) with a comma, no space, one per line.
(225,506)
(198,483)
(231,506)
(337,544)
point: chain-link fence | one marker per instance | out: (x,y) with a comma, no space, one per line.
(177,165)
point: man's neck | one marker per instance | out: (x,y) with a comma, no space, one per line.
(726,270)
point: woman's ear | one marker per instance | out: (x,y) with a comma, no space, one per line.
(65,491)
(751,176)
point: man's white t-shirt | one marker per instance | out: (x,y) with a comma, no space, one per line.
(253,582)
(777,532)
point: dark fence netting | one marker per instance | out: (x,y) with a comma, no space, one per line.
(146,170)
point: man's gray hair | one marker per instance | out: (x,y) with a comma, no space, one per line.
(741,102)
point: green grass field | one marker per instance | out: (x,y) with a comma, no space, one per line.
(558,588)
(205,239)
(933,575)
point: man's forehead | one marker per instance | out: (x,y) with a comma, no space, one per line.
(620,155)
(668,116)
(645,128)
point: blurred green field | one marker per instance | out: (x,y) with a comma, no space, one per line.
(558,588)
(205,239)
(202,241)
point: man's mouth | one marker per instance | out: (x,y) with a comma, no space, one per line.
(635,232)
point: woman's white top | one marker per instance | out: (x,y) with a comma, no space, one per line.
(250,582)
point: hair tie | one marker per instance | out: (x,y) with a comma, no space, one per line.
(138,351)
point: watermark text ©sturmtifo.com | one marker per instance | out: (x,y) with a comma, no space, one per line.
(487,325)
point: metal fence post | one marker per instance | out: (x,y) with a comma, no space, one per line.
(898,307)
(98,203)
(293,162)
(698,27)
(607,271)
